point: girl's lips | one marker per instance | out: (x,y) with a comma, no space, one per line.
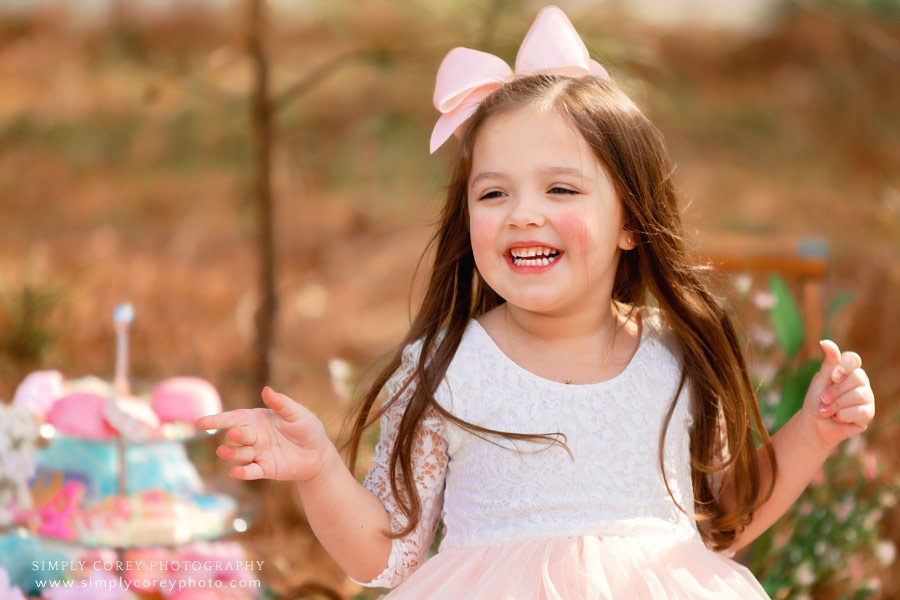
(523,269)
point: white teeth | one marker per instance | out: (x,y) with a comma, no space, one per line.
(529,252)
(534,262)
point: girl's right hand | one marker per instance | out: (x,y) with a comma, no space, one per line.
(285,441)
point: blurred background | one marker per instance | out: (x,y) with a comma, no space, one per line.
(212,161)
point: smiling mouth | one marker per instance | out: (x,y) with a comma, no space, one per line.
(535,261)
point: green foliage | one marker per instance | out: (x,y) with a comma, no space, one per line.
(793,392)
(786,317)
(26,314)
(829,539)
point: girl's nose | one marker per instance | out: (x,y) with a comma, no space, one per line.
(525,210)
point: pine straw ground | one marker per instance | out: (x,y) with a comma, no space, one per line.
(124,175)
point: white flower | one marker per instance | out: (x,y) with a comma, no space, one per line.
(764,336)
(888,498)
(763,300)
(874,584)
(886,552)
(844,508)
(339,370)
(765,370)
(820,548)
(17,451)
(805,575)
(852,445)
(742,283)
(872,518)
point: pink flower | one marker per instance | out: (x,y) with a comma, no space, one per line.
(844,508)
(870,471)
(764,336)
(764,300)
(818,478)
(6,590)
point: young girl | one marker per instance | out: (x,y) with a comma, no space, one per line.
(571,399)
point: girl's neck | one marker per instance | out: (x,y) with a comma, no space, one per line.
(577,332)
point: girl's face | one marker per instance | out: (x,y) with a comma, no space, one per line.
(536,186)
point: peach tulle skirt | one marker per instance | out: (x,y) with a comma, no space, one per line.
(643,567)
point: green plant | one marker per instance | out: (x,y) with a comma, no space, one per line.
(26,321)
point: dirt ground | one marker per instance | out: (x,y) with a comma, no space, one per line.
(125,176)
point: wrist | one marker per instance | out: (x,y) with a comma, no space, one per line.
(810,436)
(331,461)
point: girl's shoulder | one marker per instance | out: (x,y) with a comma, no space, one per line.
(654,320)
(413,350)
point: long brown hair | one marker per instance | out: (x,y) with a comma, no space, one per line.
(634,154)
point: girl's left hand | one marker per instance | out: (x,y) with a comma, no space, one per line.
(840,402)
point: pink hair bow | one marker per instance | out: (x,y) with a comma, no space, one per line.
(466,76)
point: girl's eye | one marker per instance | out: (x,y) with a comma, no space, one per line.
(488,195)
(563,190)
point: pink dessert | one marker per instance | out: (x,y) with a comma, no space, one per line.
(185,399)
(132,417)
(38,391)
(81,414)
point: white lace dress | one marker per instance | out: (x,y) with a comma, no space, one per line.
(534,523)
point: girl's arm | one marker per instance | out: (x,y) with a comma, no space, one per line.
(347,519)
(800,455)
(399,557)
(287,442)
(839,404)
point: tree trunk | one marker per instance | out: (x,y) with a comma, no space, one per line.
(261,117)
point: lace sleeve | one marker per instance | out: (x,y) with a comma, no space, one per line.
(429,470)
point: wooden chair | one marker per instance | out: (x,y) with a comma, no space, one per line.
(802,262)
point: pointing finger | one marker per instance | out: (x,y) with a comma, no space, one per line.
(286,408)
(223,420)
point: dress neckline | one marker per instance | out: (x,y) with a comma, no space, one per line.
(570,386)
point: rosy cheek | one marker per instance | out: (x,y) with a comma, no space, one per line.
(483,233)
(573,232)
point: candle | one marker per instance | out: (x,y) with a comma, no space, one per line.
(123,315)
